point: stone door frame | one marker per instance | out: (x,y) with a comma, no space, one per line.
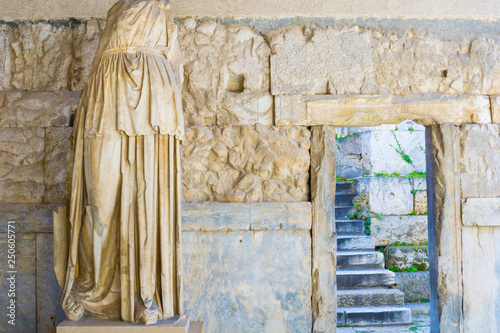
(443,193)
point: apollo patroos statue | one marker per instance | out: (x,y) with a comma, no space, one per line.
(117,244)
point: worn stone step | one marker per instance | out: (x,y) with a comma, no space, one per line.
(355,242)
(344,199)
(343,187)
(373,315)
(364,278)
(369,297)
(342,213)
(360,259)
(350,227)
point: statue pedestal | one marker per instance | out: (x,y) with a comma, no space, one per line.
(172,325)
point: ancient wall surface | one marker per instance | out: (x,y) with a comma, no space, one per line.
(250,98)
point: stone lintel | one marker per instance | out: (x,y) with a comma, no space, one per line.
(372,110)
(482,212)
(238,216)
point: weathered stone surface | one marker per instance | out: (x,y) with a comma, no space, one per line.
(324,240)
(28,217)
(391,229)
(495,109)
(415,286)
(244,287)
(215,216)
(372,110)
(481,212)
(446,149)
(350,162)
(21,165)
(383,151)
(236,216)
(25,285)
(227,71)
(480,161)
(420,202)
(37,109)
(247,163)
(281,215)
(353,60)
(419,183)
(57,159)
(406,256)
(389,195)
(481,282)
(48,293)
(48,56)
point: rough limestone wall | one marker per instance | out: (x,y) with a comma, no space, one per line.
(241,87)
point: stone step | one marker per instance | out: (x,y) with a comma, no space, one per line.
(343,187)
(360,259)
(364,278)
(350,227)
(344,199)
(373,315)
(355,242)
(369,297)
(342,213)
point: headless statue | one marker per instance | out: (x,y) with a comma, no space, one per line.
(117,245)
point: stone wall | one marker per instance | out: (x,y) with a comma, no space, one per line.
(250,98)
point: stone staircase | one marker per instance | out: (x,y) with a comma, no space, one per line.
(363,294)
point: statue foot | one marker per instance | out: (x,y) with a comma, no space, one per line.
(74,311)
(148,317)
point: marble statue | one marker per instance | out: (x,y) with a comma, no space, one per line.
(117,245)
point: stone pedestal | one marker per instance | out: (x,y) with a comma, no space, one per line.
(172,325)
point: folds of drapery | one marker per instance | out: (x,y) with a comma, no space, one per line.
(122,235)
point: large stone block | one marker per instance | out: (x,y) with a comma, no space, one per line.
(48,56)
(481,212)
(388,195)
(415,285)
(373,110)
(350,162)
(237,216)
(391,229)
(58,156)
(256,281)
(21,165)
(247,163)
(227,74)
(37,109)
(354,60)
(481,282)
(480,161)
(24,281)
(48,293)
(386,151)
(406,256)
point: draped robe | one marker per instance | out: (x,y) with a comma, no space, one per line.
(117,245)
